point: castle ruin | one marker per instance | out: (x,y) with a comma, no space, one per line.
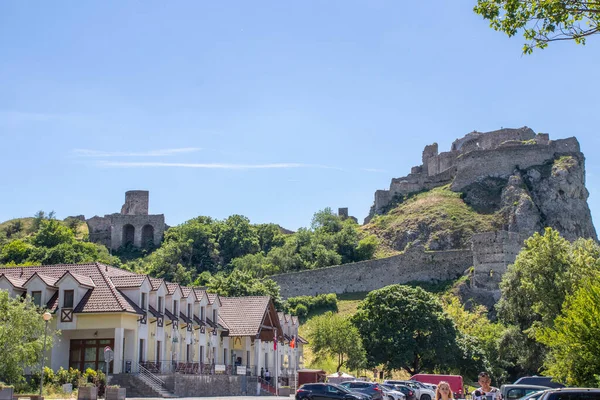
(132,226)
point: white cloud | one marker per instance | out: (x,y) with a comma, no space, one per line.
(148,153)
(130,164)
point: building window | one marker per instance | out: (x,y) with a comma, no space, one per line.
(189,311)
(84,354)
(144,302)
(202,313)
(202,354)
(215,316)
(160,305)
(142,355)
(37,298)
(225,356)
(68,298)
(188,353)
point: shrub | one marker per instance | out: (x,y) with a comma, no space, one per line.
(303,305)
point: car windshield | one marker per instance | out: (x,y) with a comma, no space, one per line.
(341,388)
(574,396)
(389,387)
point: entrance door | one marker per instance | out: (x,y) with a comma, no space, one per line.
(158,351)
(141,350)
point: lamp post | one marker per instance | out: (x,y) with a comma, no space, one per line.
(46,317)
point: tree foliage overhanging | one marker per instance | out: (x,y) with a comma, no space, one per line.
(543,21)
(21,337)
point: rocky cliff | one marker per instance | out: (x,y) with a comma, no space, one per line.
(511,179)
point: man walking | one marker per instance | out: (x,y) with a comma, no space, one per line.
(486,391)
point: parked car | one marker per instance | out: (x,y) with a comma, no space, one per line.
(392,392)
(514,392)
(455,382)
(370,388)
(422,392)
(571,394)
(538,380)
(533,396)
(407,391)
(322,391)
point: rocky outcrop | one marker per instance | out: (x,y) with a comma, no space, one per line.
(527,180)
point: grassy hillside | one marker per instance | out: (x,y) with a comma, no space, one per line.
(438,219)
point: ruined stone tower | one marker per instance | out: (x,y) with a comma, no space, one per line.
(132,226)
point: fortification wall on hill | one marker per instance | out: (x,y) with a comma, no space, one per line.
(413,265)
(501,162)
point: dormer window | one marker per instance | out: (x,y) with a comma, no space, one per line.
(215,316)
(202,314)
(189,314)
(37,298)
(143,306)
(175,308)
(68,298)
(160,305)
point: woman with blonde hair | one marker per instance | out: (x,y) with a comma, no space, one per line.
(443,391)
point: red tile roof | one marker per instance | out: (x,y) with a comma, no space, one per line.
(156,283)
(199,293)
(172,287)
(243,315)
(104,297)
(48,280)
(186,291)
(14,281)
(212,297)
(81,279)
(128,281)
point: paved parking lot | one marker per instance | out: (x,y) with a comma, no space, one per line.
(218,398)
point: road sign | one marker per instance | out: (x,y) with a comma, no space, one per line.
(109,355)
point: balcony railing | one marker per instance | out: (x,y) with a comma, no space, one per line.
(165,367)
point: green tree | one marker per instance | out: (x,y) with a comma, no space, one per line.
(574,340)
(239,283)
(21,337)
(269,236)
(52,233)
(543,21)
(332,335)
(406,328)
(479,337)
(16,252)
(236,238)
(535,286)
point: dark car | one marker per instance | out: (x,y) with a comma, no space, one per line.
(322,391)
(571,394)
(517,391)
(369,388)
(408,392)
(539,381)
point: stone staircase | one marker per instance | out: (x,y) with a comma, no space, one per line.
(140,385)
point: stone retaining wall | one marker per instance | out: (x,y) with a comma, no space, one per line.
(414,265)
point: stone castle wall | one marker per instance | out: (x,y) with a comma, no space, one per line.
(133,225)
(473,157)
(501,162)
(414,265)
(492,253)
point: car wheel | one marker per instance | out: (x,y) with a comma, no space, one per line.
(425,397)
(390,397)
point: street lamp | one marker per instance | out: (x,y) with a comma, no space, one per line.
(46,317)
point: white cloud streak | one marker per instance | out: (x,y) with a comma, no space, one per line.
(149,153)
(373,170)
(128,164)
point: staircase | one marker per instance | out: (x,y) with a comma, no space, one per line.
(142,384)
(265,388)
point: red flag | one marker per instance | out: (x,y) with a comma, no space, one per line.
(275,339)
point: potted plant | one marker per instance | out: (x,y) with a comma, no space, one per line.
(87,391)
(115,392)
(6,392)
(284,391)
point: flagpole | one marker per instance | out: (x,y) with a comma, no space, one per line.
(276,366)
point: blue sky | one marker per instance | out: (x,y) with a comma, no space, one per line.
(269,109)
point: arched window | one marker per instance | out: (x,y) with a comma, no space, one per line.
(128,234)
(147,236)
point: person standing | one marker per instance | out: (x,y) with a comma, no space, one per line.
(268,376)
(443,391)
(486,391)
(262,373)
